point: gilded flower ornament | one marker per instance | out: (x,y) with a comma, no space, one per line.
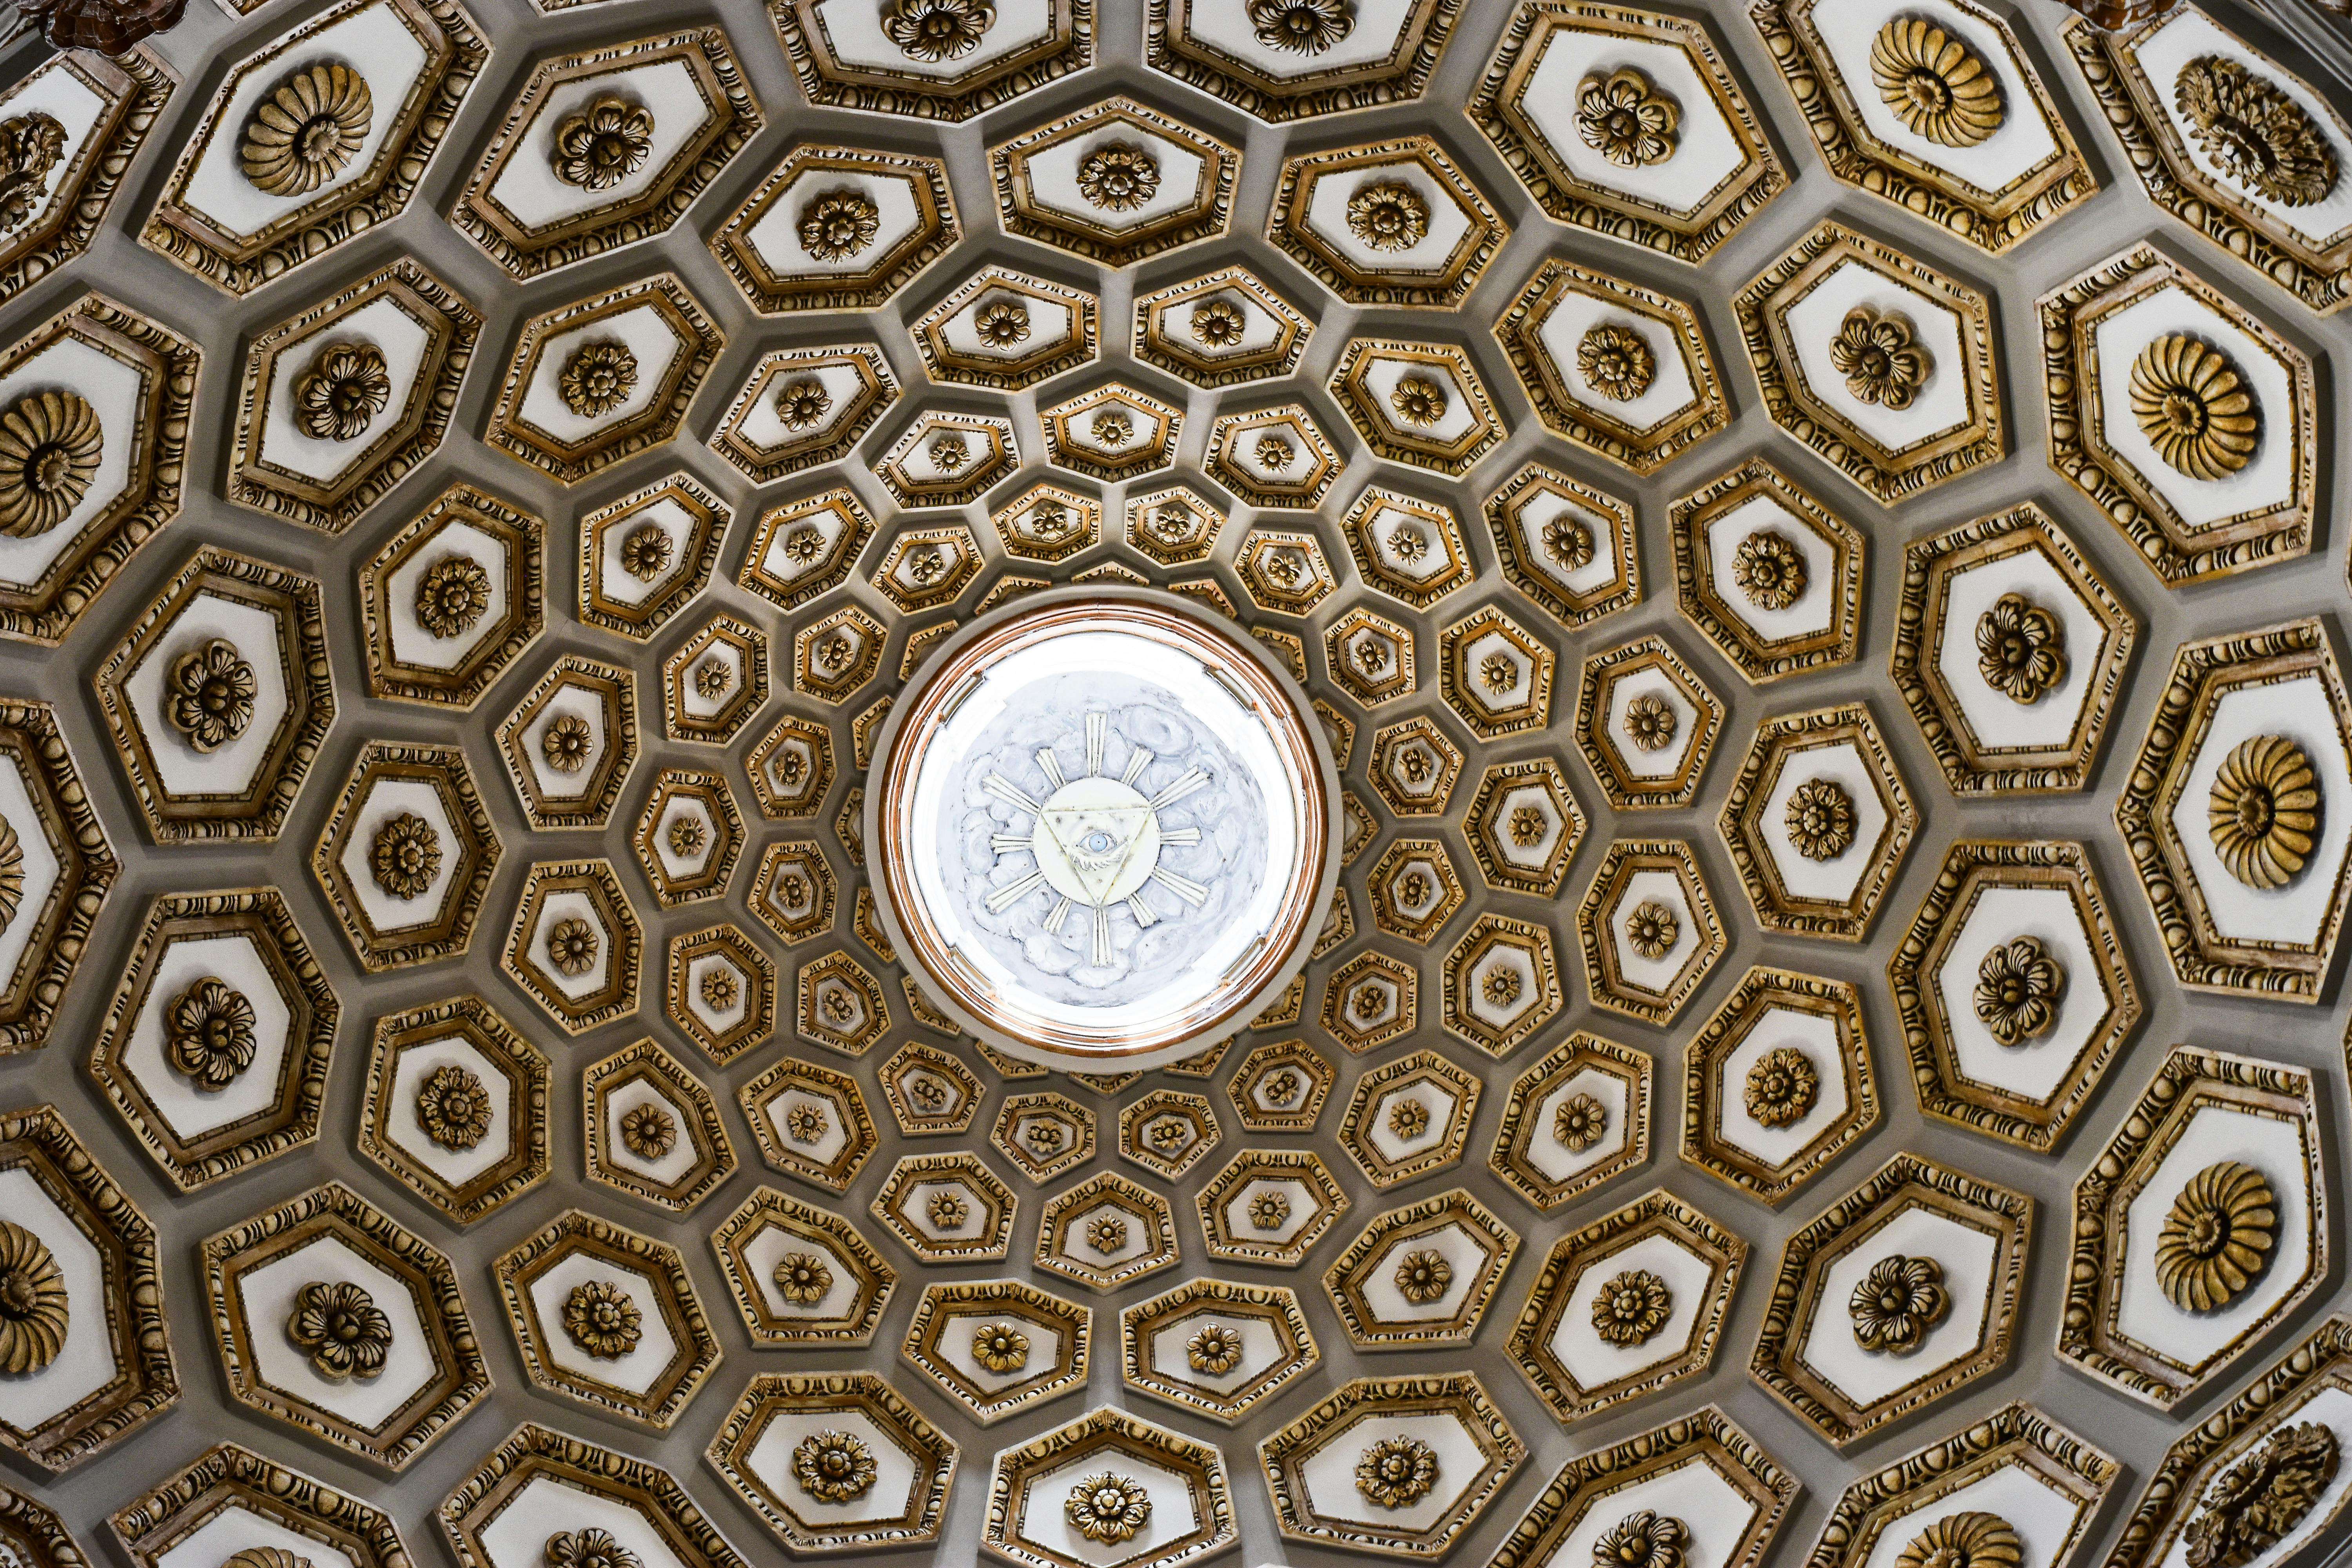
(646,551)
(1499,674)
(1107,1508)
(1652,930)
(949,1212)
(1821,819)
(1633,1308)
(686,838)
(712,677)
(1970,1539)
(307,130)
(603,144)
(1568,543)
(1899,1301)
(2255,1503)
(598,377)
(1216,324)
(1627,120)
(1409,1119)
(935,30)
(1000,324)
(1644,1539)
(35,1308)
(566,742)
(1269,1211)
(648,1130)
(1527,826)
(30,146)
(600,1318)
(588,1548)
(571,946)
(806,1123)
(2216,1237)
(836,225)
(1107,1234)
(2263,811)
(834,1466)
(801,403)
(340,392)
(1118,176)
(1501,987)
(1881,358)
(2194,408)
(2254,132)
(1215,1349)
(11,873)
(452,594)
(1301,26)
(341,1328)
(802,1278)
(453,1107)
(1418,400)
(208,694)
(1782,1087)
(1933,83)
(1396,1472)
(266,1557)
(1615,361)
(719,990)
(2020,649)
(1424,1276)
(208,1033)
(1000,1347)
(2017,990)
(1649,723)
(1770,569)
(1273,454)
(51,443)
(1581,1122)
(1388,214)
(1111,428)
(406,856)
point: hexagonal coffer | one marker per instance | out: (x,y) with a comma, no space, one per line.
(2014,989)
(1215,1348)
(2216,1146)
(2247,898)
(1577,1119)
(217,1043)
(1423,1457)
(831,1461)
(1897,1295)
(608,1317)
(1085,1492)
(457,1106)
(1627,1307)
(801,1275)
(1422,1274)
(1882,365)
(218,699)
(1818,823)
(2010,650)
(1696,1468)
(341,1323)
(1777,1083)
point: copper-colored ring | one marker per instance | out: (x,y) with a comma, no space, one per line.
(915,719)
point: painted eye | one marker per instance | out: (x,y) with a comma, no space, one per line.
(1098,842)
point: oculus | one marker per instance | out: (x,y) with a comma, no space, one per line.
(1104,828)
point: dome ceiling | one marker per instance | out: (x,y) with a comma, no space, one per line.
(1521,783)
